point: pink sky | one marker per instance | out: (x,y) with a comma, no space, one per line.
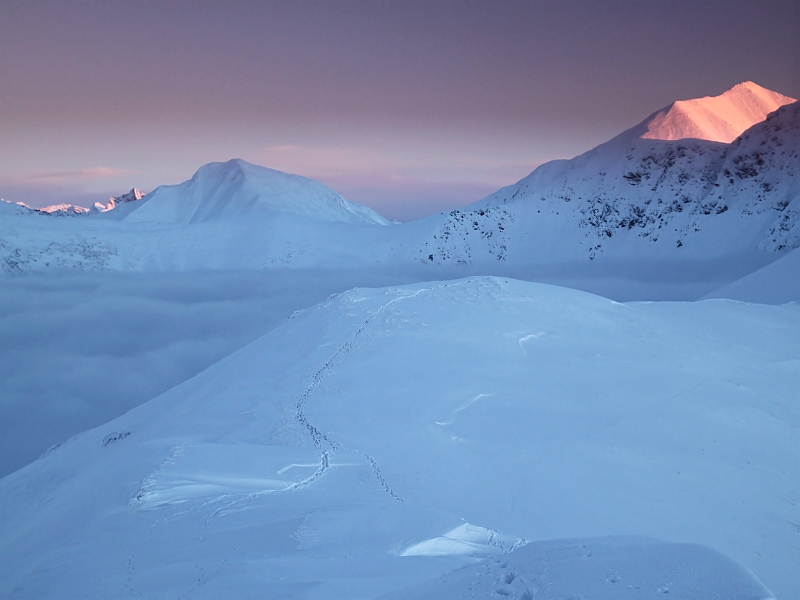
(410,107)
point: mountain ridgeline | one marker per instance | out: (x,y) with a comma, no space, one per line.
(704,189)
(638,196)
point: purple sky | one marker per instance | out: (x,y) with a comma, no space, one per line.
(408,106)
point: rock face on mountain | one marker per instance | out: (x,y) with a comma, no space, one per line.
(133,196)
(636,197)
(237,189)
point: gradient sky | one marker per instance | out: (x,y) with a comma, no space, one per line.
(408,106)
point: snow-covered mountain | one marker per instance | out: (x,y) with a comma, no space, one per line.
(639,199)
(116,201)
(235,189)
(389,436)
(229,215)
(464,437)
(720,118)
(60,210)
(8,208)
(634,218)
(777,283)
(63,209)
(66,209)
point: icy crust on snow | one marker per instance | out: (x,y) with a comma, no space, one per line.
(645,198)
(605,568)
(720,118)
(235,189)
(369,442)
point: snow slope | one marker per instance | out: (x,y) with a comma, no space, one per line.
(236,189)
(387,437)
(777,283)
(117,201)
(605,568)
(80,349)
(720,118)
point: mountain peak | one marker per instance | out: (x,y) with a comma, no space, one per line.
(720,118)
(133,196)
(237,188)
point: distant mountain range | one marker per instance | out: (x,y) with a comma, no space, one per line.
(703,189)
(412,412)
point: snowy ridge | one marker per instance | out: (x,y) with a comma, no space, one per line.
(7,207)
(133,196)
(63,209)
(647,211)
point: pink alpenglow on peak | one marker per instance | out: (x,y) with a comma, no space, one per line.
(132,196)
(63,209)
(720,118)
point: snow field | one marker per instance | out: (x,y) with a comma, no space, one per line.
(450,421)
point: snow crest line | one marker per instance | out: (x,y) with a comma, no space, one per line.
(324,444)
(321,441)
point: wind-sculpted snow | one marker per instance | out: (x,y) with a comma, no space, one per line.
(604,568)
(761,180)
(499,412)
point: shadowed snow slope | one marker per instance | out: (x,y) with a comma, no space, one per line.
(389,436)
(239,189)
(720,118)
(777,283)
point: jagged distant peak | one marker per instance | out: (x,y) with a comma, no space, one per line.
(720,118)
(134,195)
(63,209)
